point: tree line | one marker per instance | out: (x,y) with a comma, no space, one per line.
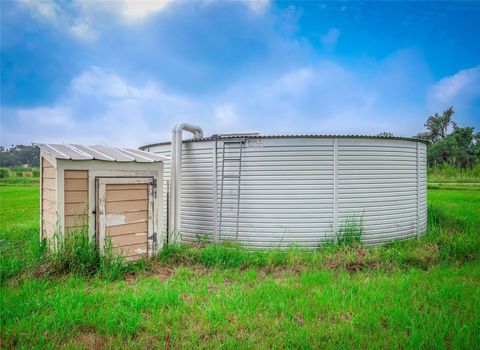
(449,144)
(19,155)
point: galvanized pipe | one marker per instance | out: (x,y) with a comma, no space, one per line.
(176,172)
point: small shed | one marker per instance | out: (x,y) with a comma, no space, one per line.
(109,192)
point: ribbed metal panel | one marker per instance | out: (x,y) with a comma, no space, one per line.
(286,193)
(98,152)
(377,186)
(293,189)
(197,189)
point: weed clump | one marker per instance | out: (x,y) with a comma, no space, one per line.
(350,232)
(79,255)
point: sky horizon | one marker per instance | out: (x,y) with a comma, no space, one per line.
(125,72)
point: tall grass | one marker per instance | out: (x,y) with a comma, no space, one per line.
(232,255)
(447,173)
(351,231)
(79,255)
(449,240)
(19,172)
(19,181)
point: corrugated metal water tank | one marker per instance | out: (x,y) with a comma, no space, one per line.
(300,190)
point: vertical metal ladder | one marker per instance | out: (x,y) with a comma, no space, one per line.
(232,153)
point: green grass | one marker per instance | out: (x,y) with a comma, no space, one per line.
(415,294)
(19,228)
(19,181)
(448,174)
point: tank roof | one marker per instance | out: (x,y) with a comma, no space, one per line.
(258,136)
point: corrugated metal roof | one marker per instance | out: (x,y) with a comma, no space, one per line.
(258,136)
(99,152)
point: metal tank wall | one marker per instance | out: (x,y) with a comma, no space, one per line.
(301,190)
(197,219)
(383,182)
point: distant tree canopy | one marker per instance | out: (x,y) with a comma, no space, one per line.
(19,155)
(385,134)
(450,144)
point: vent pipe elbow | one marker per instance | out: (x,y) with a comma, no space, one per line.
(195,130)
(176,173)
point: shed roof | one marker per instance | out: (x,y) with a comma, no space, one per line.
(99,152)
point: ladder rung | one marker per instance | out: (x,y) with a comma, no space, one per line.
(233,142)
(231,159)
(231,176)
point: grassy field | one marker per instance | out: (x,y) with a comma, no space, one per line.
(448,174)
(415,294)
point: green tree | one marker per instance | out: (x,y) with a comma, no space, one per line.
(18,155)
(459,148)
(437,126)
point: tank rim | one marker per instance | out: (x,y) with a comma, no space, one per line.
(258,136)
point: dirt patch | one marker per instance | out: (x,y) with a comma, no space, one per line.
(356,259)
(343,317)
(165,272)
(212,288)
(162,272)
(41,271)
(299,320)
(90,340)
(279,272)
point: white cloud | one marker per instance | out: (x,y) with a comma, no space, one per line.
(225,115)
(458,90)
(82,30)
(102,106)
(330,38)
(84,19)
(97,82)
(326,97)
(52,13)
(59,116)
(294,82)
(44,10)
(138,10)
(257,7)
(301,100)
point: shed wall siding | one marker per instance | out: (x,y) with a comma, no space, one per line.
(289,193)
(76,199)
(49,206)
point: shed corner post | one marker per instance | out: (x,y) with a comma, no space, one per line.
(160,219)
(335,189)
(60,182)
(92,206)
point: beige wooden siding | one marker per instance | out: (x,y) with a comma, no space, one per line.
(126,209)
(76,199)
(49,209)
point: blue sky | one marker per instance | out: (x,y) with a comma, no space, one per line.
(124,72)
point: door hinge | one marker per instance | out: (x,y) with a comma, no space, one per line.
(153,237)
(154,186)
